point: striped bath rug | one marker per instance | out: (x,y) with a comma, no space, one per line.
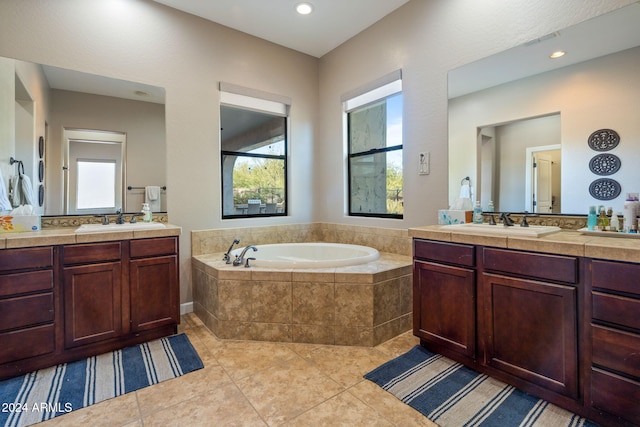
(54,391)
(452,395)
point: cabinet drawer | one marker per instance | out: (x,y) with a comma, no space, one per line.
(615,276)
(153,247)
(616,309)
(27,310)
(538,266)
(28,258)
(615,394)
(22,283)
(616,350)
(25,343)
(93,252)
(450,253)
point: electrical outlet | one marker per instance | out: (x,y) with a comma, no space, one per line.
(424,159)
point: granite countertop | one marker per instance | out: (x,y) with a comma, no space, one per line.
(565,242)
(68,236)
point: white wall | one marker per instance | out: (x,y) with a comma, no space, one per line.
(596,94)
(143,41)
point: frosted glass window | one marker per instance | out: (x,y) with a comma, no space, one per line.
(96,184)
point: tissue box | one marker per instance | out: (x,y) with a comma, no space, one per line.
(13,224)
(451,216)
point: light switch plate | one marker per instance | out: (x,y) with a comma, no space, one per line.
(424,160)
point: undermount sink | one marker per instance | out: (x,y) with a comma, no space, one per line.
(95,228)
(501,230)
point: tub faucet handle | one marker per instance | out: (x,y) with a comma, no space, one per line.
(246,264)
(227,256)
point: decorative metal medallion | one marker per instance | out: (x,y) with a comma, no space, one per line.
(604,189)
(605,164)
(604,140)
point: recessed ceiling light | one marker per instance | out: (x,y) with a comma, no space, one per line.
(304,8)
(557,54)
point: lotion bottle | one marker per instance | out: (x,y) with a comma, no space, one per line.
(477,213)
(592,219)
(146,213)
(615,223)
(628,213)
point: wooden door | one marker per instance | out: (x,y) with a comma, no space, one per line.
(154,292)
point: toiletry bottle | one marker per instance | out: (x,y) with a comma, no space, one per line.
(477,214)
(615,223)
(146,212)
(592,219)
(603,220)
(628,213)
(491,208)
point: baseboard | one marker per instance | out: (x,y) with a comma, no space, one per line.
(185,308)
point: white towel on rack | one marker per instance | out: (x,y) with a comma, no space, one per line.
(5,205)
(152,197)
(21,191)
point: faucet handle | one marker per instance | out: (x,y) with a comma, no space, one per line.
(246,264)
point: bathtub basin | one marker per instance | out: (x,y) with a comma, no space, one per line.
(309,255)
(95,228)
(501,230)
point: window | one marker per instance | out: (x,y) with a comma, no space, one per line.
(96,184)
(374,120)
(254,157)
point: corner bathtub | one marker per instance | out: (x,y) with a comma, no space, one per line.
(309,255)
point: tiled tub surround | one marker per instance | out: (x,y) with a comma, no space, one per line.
(359,305)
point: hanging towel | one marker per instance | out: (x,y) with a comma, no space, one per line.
(152,197)
(5,205)
(21,191)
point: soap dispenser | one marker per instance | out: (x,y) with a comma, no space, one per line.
(146,213)
(477,214)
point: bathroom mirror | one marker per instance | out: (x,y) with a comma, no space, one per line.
(52,106)
(507,108)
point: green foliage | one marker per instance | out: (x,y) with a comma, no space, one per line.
(255,178)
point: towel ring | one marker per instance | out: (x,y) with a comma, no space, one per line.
(466,178)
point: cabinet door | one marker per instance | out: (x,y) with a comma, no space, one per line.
(532,331)
(154,292)
(92,302)
(444,306)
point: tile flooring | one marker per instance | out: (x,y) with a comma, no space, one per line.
(248,383)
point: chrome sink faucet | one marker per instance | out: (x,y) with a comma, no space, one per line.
(120,219)
(227,256)
(240,258)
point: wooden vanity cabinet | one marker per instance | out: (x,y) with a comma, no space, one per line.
(529,316)
(93,292)
(444,308)
(66,302)
(153,283)
(27,306)
(614,374)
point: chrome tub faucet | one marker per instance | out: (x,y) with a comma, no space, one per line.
(227,257)
(240,258)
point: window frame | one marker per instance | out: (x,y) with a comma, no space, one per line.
(362,99)
(237,97)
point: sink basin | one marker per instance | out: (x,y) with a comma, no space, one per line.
(96,228)
(501,230)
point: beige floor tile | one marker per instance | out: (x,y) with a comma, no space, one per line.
(186,387)
(118,411)
(347,365)
(399,345)
(388,406)
(243,358)
(341,410)
(282,392)
(219,406)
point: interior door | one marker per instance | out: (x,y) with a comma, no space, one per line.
(542,183)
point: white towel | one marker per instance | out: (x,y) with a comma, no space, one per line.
(152,197)
(5,205)
(21,191)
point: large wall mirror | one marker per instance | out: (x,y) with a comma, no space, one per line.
(89,144)
(520,122)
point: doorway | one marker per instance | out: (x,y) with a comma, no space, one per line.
(542,179)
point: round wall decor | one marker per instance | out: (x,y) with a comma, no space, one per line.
(603,140)
(605,164)
(604,189)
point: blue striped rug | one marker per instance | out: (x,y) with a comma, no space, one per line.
(452,395)
(54,391)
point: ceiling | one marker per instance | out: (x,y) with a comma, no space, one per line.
(332,22)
